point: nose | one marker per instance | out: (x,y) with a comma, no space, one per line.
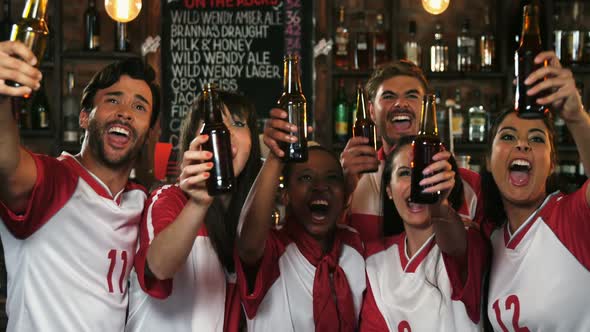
(523,145)
(124,113)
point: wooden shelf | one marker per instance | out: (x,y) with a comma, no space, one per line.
(97,56)
(342,73)
(36,133)
(455,75)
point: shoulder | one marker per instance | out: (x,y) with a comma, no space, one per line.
(377,246)
(350,237)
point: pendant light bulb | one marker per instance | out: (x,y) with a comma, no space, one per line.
(123,10)
(435,7)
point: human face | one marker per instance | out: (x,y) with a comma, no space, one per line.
(413,215)
(396,108)
(315,193)
(118,125)
(241,140)
(520,160)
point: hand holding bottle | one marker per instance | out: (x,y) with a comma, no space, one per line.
(195,166)
(443,177)
(563,94)
(278,129)
(17,64)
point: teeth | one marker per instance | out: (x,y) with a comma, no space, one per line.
(401,118)
(119,130)
(521,162)
(319,202)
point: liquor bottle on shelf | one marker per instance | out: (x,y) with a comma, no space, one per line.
(424,147)
(294,103)
(71,112)
(24,113)
(380,50)
(458,120)
(342,38)
(572,43)
(341,114)
(487,46)
(363,125)
(524,65)
(477,120)
(31,29)
(6,23)
(439,51)
(222,179)
(91,27)
(465,49)
(121,39)
(40,109)
(361,45)
(412,49)
(557,30)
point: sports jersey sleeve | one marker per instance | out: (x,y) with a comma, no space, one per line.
(266,274)
(472,207)
(368,226)
(469,292)
(161,209)
(569,218)
(371,318)
(53,188)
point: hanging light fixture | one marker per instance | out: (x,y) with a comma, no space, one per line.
(122,10)
(435,7)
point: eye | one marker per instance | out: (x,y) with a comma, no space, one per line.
(537,139)
(305,178)
(404,172)
(507,137)
(238,123)
(140,107)
(413,96)
(112,101)
(388,96)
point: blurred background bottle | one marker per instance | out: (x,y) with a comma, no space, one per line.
(71,112)
(465,48)
(6,23)
(477,119)
(439,51)
(91,27)
(412,50)
(380,45)
(487,45)
(361,44)
(121,39)
(342,39)
(40,109)
(341,114)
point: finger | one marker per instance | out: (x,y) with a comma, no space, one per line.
(278,113)
(17,75)
(194,182)
(280,136)
(192,156)
(544,72)
(280,124)
(441,186)
(20,50)
(556,96)
(273,146)
(360,150)
(14,92)
(551,83)
(443,155)
(438,177)
(356,141)
(197,142)
(362,168)
(361,161)
(548,56)
(437,166)
(193,170)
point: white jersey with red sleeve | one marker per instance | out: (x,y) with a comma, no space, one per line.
(366,215)
(202,296)
(68,256)
(425,292)
(540,275)
(282,297)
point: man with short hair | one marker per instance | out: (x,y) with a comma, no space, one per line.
(395,91)
(70,224)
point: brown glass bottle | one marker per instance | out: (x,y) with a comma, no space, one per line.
(221,178)
(425,146)
(294,103)
(524,64)
(342,38)
(363,125)
(32,30)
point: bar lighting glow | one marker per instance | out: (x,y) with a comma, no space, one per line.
(435,7)
(123,10)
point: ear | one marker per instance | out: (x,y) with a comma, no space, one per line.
(83,119)
(389,193)
(372,111)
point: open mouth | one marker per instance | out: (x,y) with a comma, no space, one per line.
(415,208)
(319,209)
(519,172)
(401,120)
(118,136)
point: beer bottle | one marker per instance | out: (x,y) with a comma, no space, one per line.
(363,125)
(293,101)
(222,178)
(31,30)
(341,114)
(425,146)
(524,64)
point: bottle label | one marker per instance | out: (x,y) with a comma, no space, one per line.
(43,121)
(380,47)
(95,42)
(457,129)
(70,136)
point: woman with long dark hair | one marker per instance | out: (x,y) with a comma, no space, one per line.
(185,269)
(539,278)
(426,274)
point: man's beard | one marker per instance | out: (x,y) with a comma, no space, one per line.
(96,144)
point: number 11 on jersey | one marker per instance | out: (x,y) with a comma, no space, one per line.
(112,256)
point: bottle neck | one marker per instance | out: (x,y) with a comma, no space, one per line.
(291,82)
(213,106)
(530,27)
(361,109)
(35,9)
(341,16)
(428,125)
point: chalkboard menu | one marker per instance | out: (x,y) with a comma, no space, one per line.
(238,44)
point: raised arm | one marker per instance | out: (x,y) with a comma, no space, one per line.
(171,247)
(567,100)
(17,168)
(255,217)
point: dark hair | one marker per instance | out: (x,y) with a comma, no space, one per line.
(392,221)
(392,69)
(109,75)
(221,224)
(493,207)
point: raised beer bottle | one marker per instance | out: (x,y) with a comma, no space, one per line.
(524,63)
(294,103)
(221,179)
(31,29)
(425,146)
(363,125)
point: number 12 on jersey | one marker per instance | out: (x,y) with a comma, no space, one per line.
(512,304)
(113,257)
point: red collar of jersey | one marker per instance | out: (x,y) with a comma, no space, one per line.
(333,306)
